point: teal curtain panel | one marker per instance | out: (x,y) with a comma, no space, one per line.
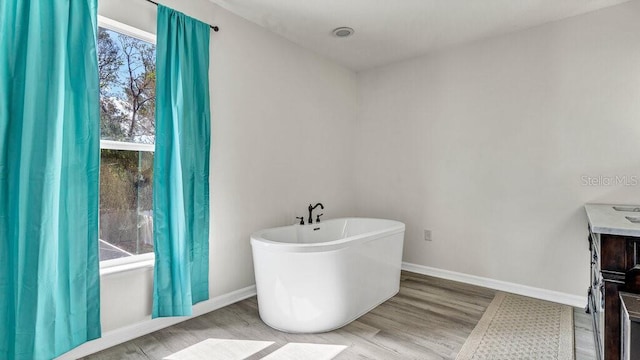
(49,164)
(181,164)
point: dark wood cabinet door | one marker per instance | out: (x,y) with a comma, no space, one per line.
(619,253)
(614,253)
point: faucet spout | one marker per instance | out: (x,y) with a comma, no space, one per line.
(311,208)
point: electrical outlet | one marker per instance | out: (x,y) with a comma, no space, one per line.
(427,235)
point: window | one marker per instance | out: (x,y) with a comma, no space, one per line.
(126,62)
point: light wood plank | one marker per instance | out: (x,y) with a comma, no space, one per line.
(429,318)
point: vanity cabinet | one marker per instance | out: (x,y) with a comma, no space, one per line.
(615,267)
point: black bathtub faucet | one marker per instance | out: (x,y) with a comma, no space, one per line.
(311,207)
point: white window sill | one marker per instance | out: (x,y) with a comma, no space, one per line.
(139,262)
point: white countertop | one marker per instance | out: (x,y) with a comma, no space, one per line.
(604,219)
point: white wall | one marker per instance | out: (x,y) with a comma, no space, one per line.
(485,145)
(282,129)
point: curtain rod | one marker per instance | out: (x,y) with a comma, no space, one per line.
(215,28)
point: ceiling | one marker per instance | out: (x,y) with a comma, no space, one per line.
(391,30)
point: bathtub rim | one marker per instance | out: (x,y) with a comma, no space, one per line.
(258,241)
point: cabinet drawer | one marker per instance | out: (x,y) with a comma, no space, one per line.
(618,253)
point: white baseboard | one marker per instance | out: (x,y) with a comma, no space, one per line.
(538,293)
(119,336)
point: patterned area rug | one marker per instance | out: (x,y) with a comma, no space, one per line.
(518,327)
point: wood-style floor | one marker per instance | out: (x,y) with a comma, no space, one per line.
(429,319)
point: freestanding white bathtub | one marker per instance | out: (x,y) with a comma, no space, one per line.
(319,277)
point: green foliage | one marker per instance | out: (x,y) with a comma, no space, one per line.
(126,197)
(109,60)
(139,84)
(127,87)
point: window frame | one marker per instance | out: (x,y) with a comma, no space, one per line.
(139,260)
(126,29)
